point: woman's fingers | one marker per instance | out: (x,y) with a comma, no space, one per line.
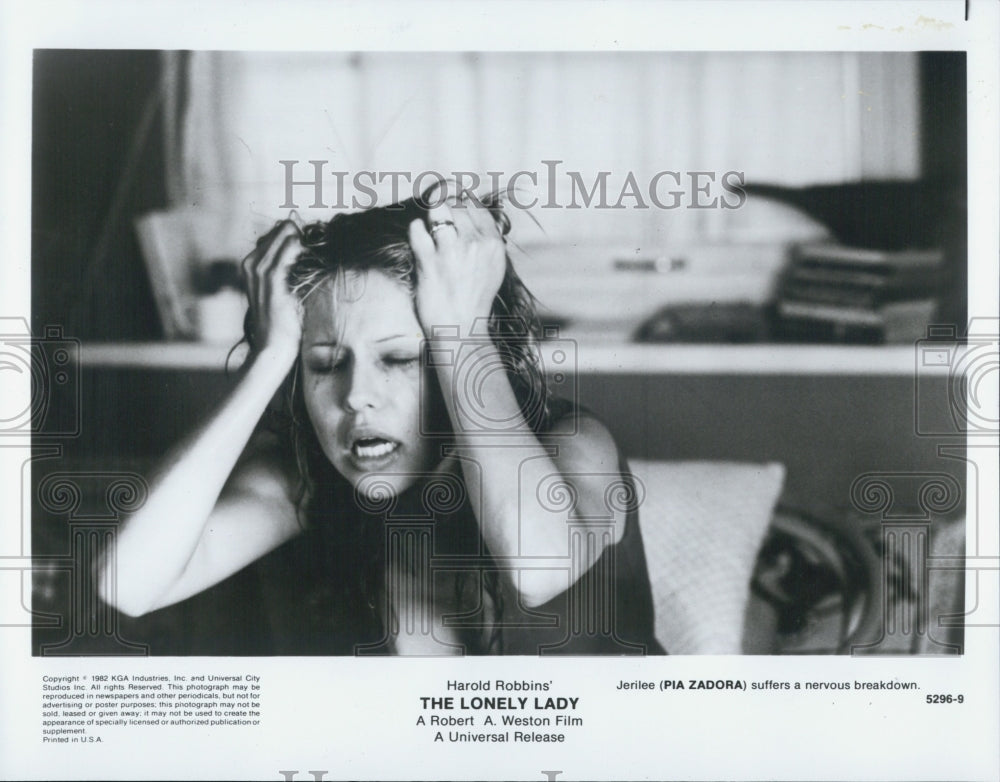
(421,241)
(276,268)
(468,223)
(443,226)
(481,218)
(249,278)
(460,262)
(265,246)
(273,310)
(278,248)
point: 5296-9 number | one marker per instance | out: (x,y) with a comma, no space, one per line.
(945,698)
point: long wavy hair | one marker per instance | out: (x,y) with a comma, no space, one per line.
(377,240)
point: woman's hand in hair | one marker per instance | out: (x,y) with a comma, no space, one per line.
(461,261)
(273,318)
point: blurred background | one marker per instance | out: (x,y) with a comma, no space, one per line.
(154,170)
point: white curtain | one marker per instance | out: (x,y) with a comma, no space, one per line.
(787,118)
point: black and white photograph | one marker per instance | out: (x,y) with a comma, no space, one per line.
(427,394)
(663,367)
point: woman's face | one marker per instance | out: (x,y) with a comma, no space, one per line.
(361,371)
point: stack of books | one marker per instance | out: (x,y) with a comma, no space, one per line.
(836,293)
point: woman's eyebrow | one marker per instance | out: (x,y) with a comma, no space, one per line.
(332,343)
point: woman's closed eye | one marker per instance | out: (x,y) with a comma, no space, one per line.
(323,363)
(401,360)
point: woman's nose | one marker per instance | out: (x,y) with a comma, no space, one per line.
(365,387)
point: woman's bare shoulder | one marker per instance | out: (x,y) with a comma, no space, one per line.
(581,439)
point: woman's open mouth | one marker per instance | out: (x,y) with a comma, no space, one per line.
(373,452)
(372,447)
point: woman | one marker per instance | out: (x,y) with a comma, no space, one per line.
(453,505)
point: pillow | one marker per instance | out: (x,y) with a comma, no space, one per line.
(702,524)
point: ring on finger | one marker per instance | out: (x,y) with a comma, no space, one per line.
(437,225)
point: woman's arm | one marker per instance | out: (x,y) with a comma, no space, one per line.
(203,520)
(460,270)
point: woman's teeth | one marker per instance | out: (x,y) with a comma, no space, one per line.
(373,448)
